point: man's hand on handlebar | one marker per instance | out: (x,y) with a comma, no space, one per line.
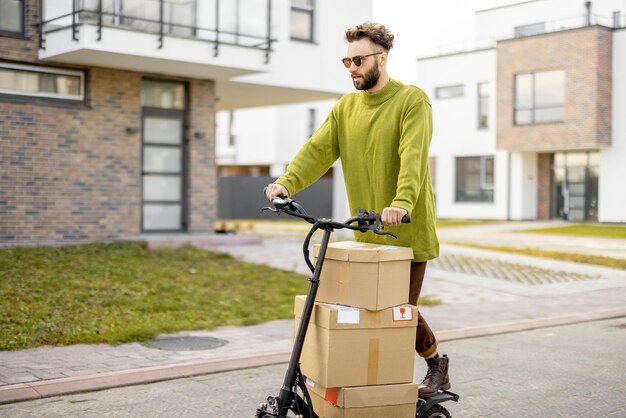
(275,190)
(392,216)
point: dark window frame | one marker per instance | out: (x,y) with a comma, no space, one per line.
(533,107)
(46,97)
(22,32)
(482,119)
(486,191)
(310,11)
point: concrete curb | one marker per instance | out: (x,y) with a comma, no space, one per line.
(55,387)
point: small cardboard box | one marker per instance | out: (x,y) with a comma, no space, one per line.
(364,275)
(347,346)
(382,401)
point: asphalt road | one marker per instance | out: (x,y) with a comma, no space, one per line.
(568,371)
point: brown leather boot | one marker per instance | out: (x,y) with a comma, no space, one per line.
(436,378)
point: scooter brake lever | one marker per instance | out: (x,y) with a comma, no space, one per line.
(377,231)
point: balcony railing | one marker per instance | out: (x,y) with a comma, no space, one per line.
(242,23)
(618,20)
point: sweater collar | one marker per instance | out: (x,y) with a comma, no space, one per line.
(374,99)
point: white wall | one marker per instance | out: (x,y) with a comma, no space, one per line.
(523,186)
(612,192)
(253,140)
(456,133)
(313,65)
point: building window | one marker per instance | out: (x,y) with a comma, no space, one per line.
(474,179)
(11,17)
(302,20)
(483,105)
(617,19)
(29,80)
(529,30)
(539,97)
(312,121)
(449,92)
(232,134)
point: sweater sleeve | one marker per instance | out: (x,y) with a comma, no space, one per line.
(416,134)
(315,157)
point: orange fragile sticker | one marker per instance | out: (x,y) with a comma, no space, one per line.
(402,313)
(331,395)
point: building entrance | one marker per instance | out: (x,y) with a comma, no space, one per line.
(575,186)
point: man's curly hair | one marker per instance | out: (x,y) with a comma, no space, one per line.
(375,32)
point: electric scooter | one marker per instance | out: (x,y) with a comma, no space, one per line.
(293,399)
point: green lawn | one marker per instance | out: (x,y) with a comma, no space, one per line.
(451,223)
(587,230)
(124,292)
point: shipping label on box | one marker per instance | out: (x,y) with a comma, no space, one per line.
(364,275)
(381,401)
(347,347)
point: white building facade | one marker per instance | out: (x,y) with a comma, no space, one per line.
(527,123)
(530,127)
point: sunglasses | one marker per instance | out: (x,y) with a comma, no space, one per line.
(357,59)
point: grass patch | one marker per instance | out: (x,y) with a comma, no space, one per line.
(428,301)
(584,230)
(452,223)
(617,263)
(121,292)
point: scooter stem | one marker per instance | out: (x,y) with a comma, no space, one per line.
(286,395)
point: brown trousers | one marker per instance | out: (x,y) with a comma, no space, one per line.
(425,341)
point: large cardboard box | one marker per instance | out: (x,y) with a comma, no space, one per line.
(364,275)
(382,401)
(347,346)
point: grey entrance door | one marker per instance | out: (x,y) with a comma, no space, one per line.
(576,186)
(163,162)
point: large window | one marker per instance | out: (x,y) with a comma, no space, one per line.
(483,105)
(474,179)
(302,22)
(529,30)
(449,92)
(11,17)
(539,97)
(30,80)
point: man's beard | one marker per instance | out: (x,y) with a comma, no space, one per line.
(369,79)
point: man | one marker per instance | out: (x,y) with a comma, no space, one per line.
(382,135)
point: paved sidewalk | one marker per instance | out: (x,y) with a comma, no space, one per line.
(480,296)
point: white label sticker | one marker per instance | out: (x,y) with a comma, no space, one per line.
(402,313)
(346,314)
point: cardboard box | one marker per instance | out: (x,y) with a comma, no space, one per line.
(365,275)
(347,346)
(383,401)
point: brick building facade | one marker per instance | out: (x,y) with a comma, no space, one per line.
(584,54)
(108,108)
(71,171)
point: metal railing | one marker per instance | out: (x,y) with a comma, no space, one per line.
(163,21)
(618,20)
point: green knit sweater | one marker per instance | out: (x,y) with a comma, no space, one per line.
(382,140)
